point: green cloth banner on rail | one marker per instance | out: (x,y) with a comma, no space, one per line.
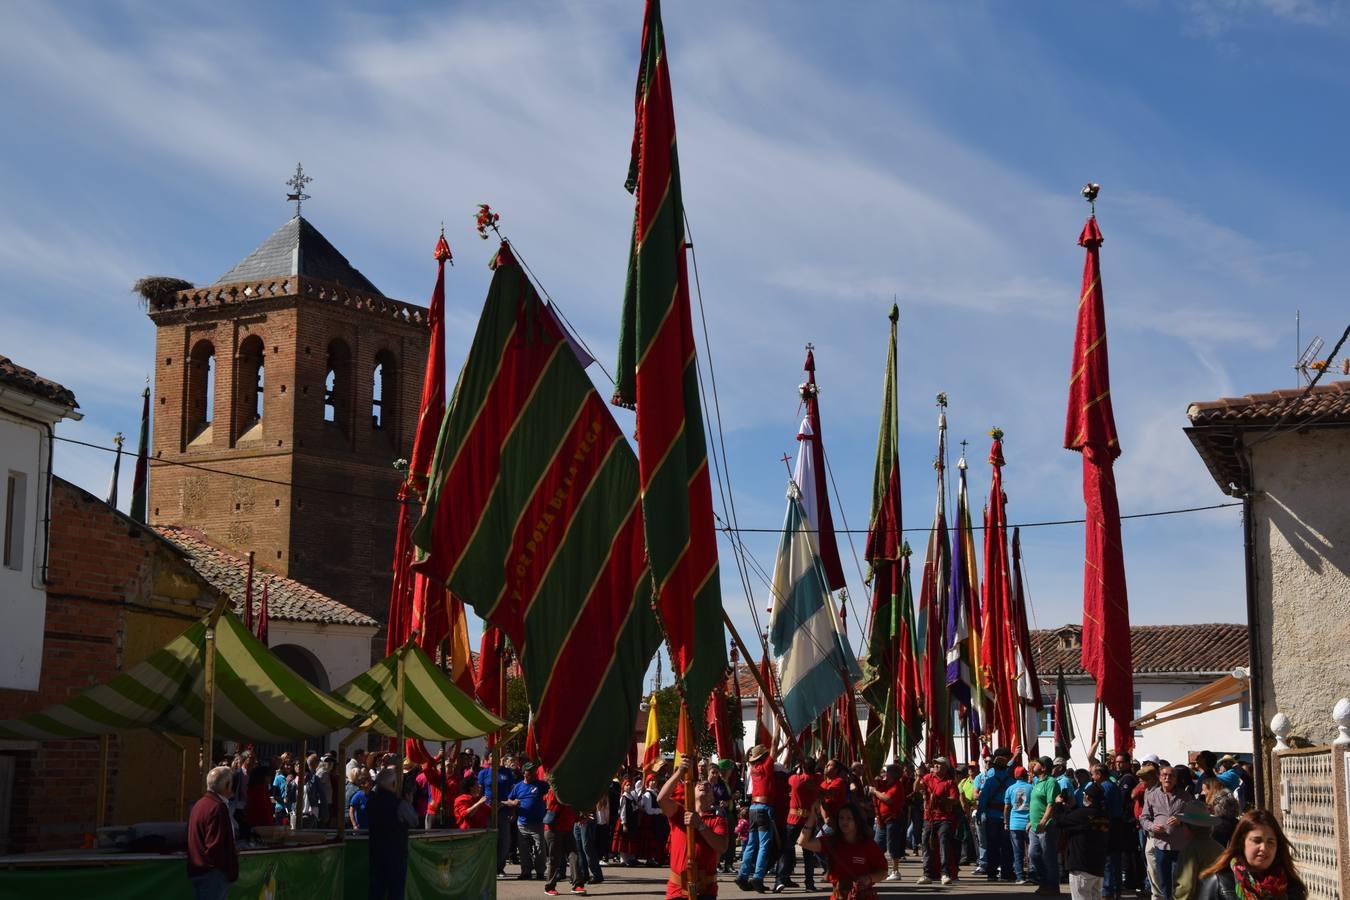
(442,864)
(258,697)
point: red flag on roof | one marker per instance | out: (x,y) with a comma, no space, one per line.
(1090,428)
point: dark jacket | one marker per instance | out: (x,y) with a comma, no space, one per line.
(1085,832)
(210,841)
(1222,885)
(388,833)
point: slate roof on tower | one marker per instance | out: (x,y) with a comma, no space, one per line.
(297,248)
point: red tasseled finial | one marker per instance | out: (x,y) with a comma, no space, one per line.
(443,250)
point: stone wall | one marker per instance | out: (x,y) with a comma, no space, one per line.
(1302,534)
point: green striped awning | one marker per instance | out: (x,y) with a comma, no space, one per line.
(435,709)
(258,697)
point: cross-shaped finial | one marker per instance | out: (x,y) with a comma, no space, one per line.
(963,447)
(787,463)
(810,346)
(298,182)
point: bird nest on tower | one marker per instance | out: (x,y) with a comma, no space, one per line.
(153,288)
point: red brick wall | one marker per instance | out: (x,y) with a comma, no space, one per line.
(330,523)
(96,562)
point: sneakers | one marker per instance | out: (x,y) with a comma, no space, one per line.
(551,892)
(894,875)
(947,879)
(579,890)
(779,888)
(1022,881)
(924,879)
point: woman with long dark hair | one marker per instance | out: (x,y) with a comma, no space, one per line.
(855,862)
(1256,865)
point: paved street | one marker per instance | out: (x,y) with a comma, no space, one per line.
(621,881)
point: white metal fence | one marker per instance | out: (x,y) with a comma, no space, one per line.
(1312,806)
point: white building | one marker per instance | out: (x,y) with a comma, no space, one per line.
(30,407)
(1170,661)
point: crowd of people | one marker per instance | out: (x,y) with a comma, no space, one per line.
(1146,827)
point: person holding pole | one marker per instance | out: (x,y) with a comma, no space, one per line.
(710,829)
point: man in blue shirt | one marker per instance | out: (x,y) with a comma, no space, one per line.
(506,780)
(1016,816)
(1113,804)
(526,801)
(989,805)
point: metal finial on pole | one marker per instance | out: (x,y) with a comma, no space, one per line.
(297,183)
(1090,192)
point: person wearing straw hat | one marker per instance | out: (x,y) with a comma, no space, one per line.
(755,856)
(1200,852)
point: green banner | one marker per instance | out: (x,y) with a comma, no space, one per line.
(460,864)
(295,874)
(440,864)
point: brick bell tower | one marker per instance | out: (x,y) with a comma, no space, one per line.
(295,370)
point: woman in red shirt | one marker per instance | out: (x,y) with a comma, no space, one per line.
(471,807)
(856,862)
(558,837)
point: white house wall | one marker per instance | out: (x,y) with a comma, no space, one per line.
(23,449)
(1217,730)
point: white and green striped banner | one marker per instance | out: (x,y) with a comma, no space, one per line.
(815,664)
(434,708)
(258,697)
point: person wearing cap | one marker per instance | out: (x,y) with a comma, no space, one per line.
(1042,839)
(989,804)
(1228,771)
(526,802)
(891,796)
(1148,780)
(1201,850)
(941,813)
(1016,819)
(1086,832)
(755,856)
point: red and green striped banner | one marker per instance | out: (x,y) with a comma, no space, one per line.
(658,376)
(532,516)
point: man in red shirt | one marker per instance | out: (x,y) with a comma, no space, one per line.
(803,791)
(471,807)
(212,858)
(711,830)
(941,812)
(833,790)
(558,821)
(891,795)
(758,845)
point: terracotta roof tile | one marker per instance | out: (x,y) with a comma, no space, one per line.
(287,600)
(1325,403)
(16,376)
(1156,649)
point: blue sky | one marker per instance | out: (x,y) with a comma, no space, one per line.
(833,157)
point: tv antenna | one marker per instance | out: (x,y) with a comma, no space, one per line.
(1308,361)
